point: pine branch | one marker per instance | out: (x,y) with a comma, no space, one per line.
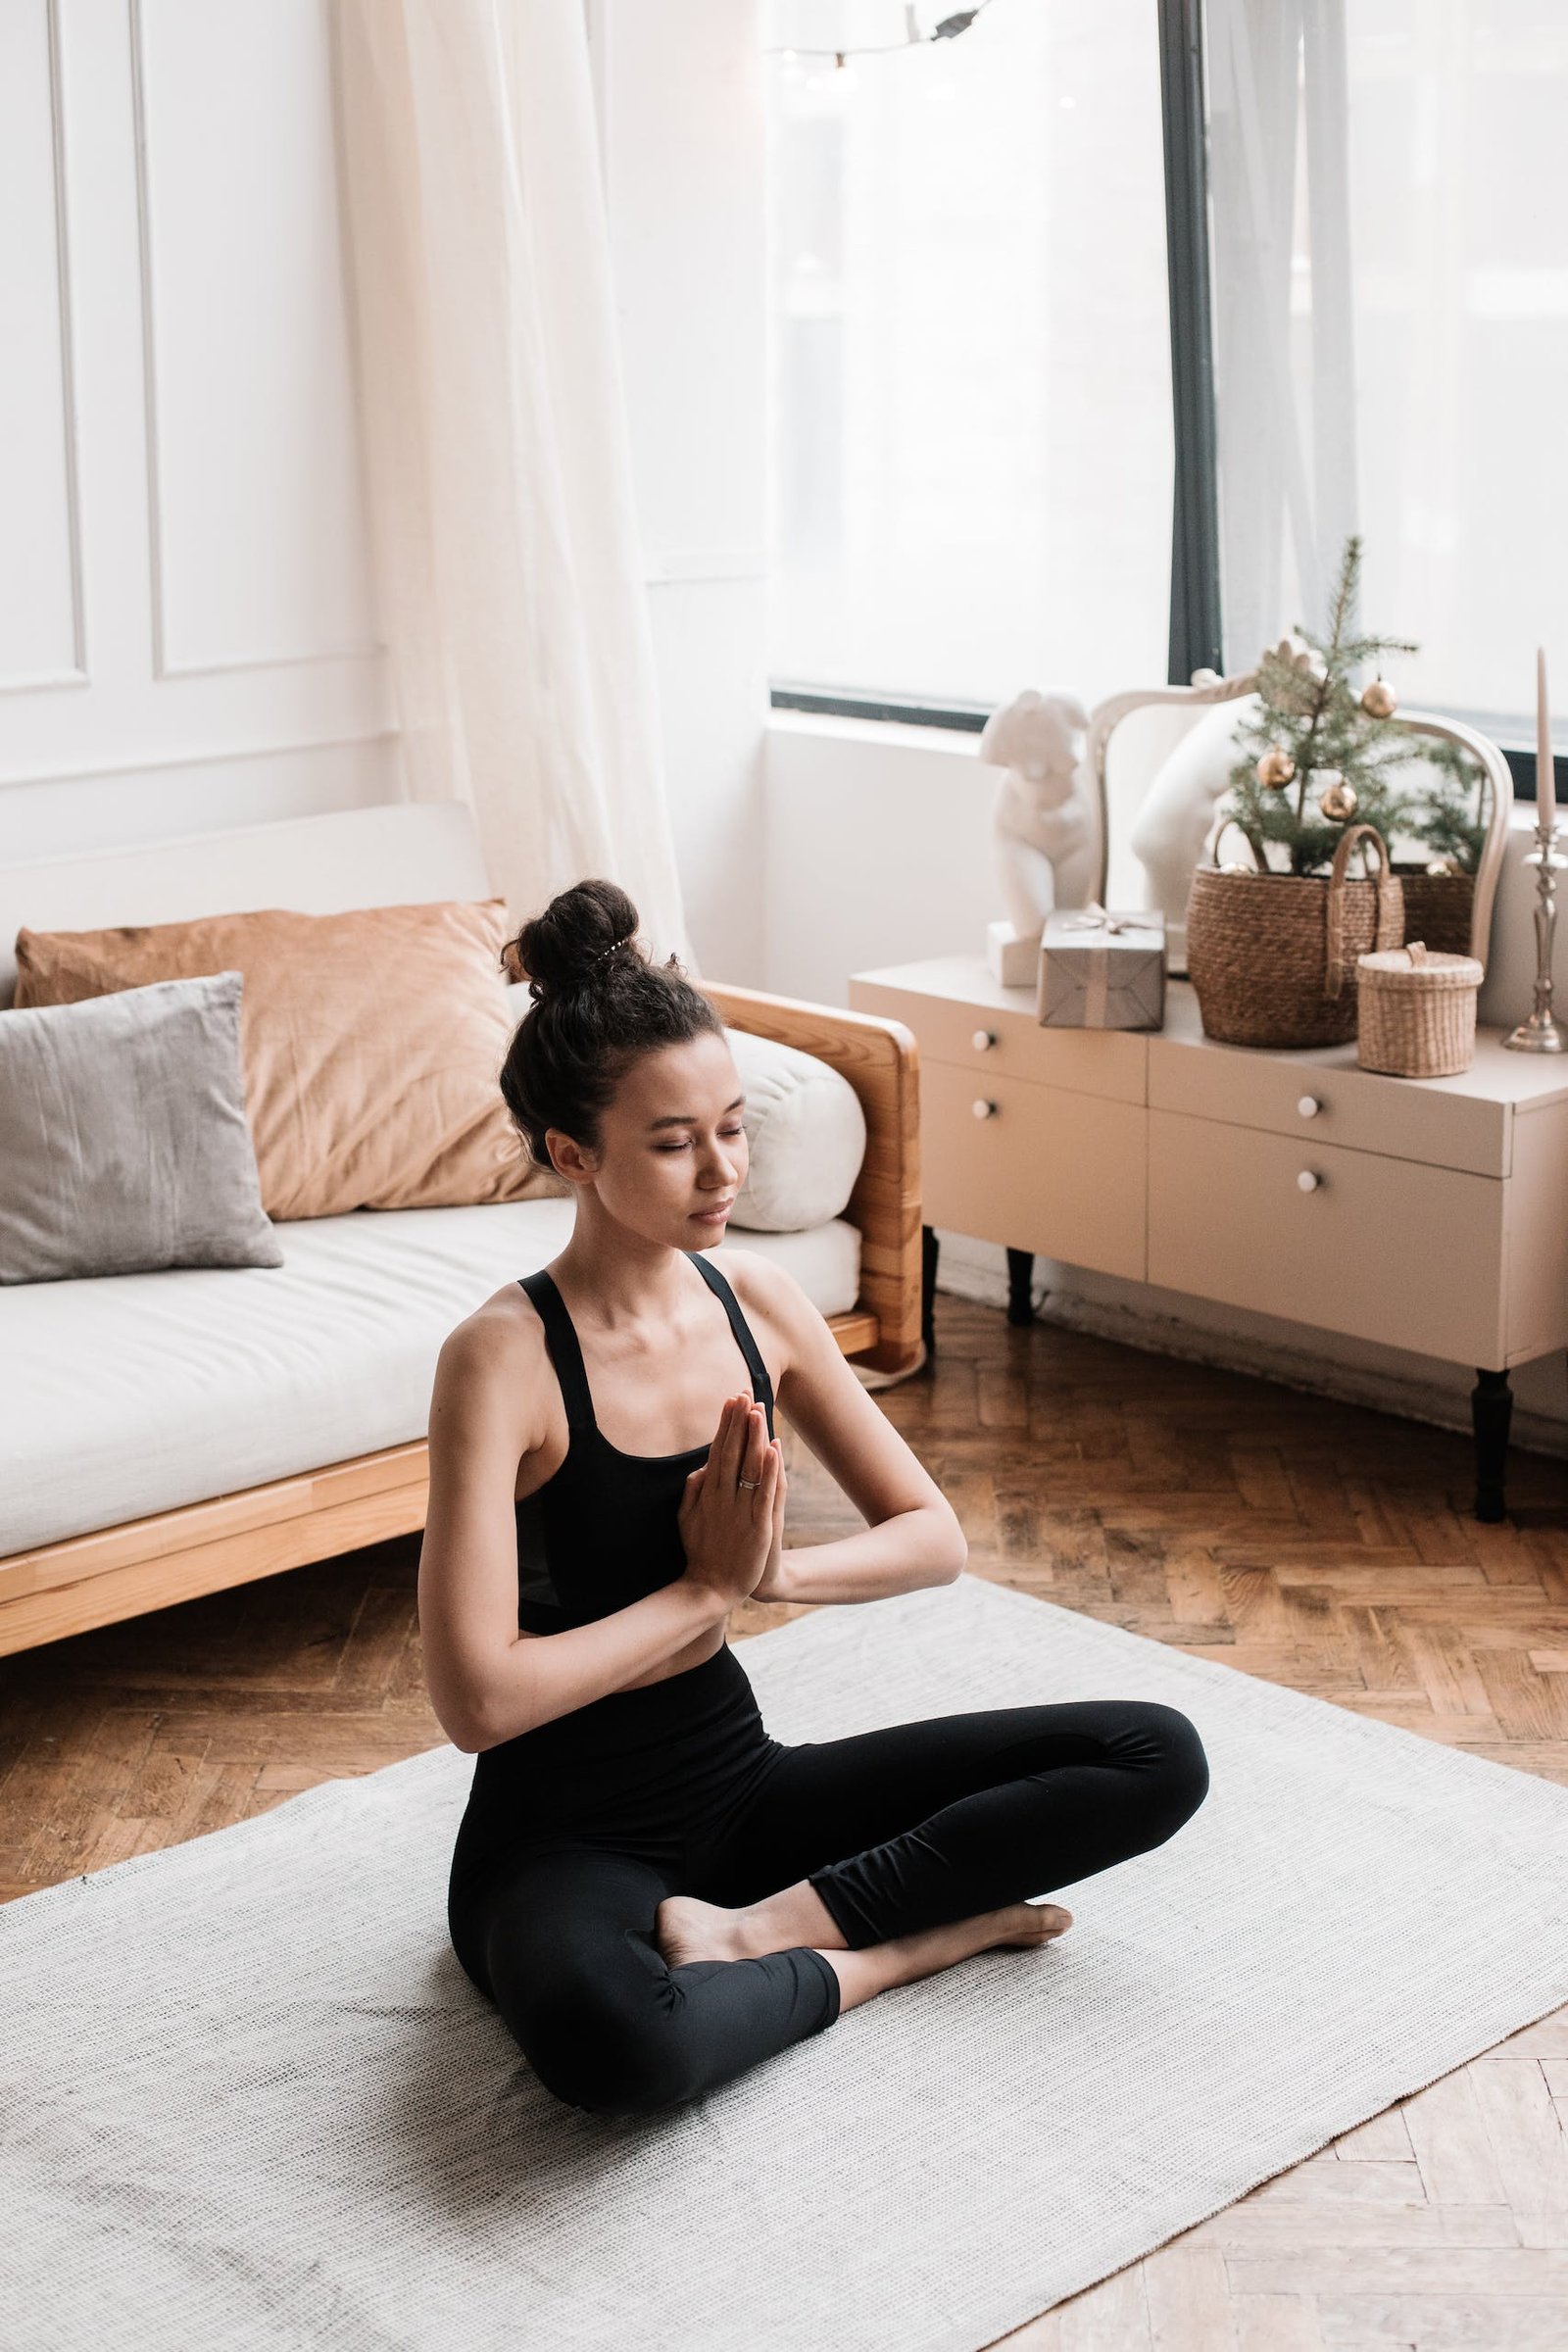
(1319,720)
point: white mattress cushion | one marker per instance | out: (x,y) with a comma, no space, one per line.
(130,1394)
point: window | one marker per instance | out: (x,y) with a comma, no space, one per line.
(970,394)
(970,409)
(1390,210)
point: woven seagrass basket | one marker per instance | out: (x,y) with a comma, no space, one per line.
(1272,956)
(1438,908)
(1417,1012)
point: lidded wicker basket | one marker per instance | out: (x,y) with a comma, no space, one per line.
(1416,1011)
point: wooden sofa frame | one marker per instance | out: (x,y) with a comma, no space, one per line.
(117,1572)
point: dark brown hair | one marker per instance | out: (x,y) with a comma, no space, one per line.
(598,1003)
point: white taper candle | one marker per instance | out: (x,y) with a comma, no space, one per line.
(1546,791)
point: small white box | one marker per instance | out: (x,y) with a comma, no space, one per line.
(1011,956)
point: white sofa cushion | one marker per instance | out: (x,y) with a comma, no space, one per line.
(137,1393)
(804,1132)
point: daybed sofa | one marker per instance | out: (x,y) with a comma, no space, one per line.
(170,1433)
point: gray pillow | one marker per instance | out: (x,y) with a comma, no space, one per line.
(123,1145)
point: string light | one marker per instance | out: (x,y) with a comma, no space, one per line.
(948,31)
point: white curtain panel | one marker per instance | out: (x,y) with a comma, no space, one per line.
(497,453)
(1284,346)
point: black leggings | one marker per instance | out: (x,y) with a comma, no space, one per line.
(571,1844)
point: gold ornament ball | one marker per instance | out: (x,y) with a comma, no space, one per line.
(1379,699)
(1276,768)
(1337,802)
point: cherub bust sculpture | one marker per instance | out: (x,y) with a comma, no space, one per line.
(1045,822)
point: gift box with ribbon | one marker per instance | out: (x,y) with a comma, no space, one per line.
(1100,970)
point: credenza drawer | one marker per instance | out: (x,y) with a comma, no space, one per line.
(1348,1105)
(1379,1248)
(1009,1038)
(1044,1169)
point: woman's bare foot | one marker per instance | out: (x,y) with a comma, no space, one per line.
(686,1930)
(1033,1923)
(904,1959)
(1019,1923)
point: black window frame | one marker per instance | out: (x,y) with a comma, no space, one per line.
(1196,636)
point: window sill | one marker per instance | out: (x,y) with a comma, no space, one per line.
(896,734)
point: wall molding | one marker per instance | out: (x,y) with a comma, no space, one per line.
(78,674)
(163,667)
(44,681)
(149,358)
(218,756)
(232,663)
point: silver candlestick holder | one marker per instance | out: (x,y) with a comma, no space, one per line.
(1542,1032)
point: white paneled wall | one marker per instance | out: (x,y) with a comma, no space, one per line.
(255,513)
(42,635)
(187,636)
(187,633)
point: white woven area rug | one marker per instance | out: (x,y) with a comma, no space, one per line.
(251,2100)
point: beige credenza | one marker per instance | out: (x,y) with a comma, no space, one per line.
(1430,1214)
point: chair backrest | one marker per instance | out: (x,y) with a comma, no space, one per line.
(395,854)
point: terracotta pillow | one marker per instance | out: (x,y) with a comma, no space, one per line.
(371,1045)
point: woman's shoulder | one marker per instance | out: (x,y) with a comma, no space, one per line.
(499,1346)
(817,1387)
(756,1280)
(501,1324)
(768,1295)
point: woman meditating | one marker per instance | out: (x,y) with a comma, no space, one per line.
(654,1892)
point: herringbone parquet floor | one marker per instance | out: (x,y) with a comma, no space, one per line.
(1310,1543)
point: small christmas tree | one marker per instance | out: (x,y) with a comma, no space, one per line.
(1317,754)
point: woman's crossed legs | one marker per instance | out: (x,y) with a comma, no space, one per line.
(606,1966)
(564,1942)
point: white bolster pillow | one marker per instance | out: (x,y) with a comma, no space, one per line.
(805,1132)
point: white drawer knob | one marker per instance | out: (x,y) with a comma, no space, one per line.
(985,1110)
(1309,1107)
(1309,1179)
(983,1038)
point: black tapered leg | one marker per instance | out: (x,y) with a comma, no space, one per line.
(1491,1411)
(928,1284)
(1020,1282)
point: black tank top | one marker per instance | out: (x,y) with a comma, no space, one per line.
(602,1531)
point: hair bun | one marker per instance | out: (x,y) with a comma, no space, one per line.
(572,944)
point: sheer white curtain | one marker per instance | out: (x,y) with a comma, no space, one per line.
(1279,153)
(497,453)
